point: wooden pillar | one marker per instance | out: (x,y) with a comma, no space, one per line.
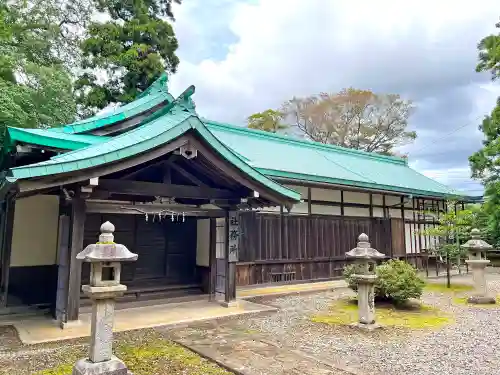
(230,268)
(384,208)
(212,258)
(342,202)
(78,211)
(309,198)
(371,205)
(8,230)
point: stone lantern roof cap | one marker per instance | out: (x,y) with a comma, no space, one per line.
(364,250)
(476,243)
(106,250)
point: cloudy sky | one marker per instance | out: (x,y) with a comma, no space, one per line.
(245,56)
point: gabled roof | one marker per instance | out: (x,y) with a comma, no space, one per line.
(156,94)
(297,159)
(268,154)
(151,135)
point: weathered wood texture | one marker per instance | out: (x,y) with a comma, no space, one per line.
(303,247)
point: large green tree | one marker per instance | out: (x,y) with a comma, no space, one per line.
(36,40)
(485,163)
(124,55)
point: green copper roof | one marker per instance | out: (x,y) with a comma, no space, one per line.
(150,98)
(146,137)
(252,150)
(281,156)
(52,139)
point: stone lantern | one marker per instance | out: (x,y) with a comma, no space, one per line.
(105,259)
(366,257)
(477,261)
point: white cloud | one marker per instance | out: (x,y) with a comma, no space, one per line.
(424,50)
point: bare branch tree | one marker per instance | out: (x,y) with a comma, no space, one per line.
(353,118)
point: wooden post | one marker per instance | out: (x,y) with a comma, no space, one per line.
(371,205)
(384,208)
(227,284)
(309,198)
(342,202)
(212,258)
(8,229)
(78,209)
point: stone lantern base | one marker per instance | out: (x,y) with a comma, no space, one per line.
(112,367)
(480,295)
(366,302)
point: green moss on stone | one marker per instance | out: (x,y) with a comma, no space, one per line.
(411,316)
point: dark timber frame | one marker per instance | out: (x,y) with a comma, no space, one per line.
(141,183)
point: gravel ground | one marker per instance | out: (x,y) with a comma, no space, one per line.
(467,346)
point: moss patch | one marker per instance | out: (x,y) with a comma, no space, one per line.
(442,288)
(148,353)
(463,301)
(411,316)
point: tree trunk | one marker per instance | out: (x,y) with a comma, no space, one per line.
(448,270)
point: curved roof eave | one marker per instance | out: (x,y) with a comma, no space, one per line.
(137,141)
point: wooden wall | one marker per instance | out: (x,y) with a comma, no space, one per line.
(275,248)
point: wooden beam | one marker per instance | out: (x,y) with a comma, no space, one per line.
(164,190)
(195,180)
(78,209)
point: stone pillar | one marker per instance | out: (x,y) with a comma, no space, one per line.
(477,262)
(366,298)
(366,257)
(105,268)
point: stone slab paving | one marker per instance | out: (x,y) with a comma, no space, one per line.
(247,352)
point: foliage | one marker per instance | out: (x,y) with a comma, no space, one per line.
(123,56)
(35,60)
(408,316)
(489,54)
(397,281)
(453,228)
(353,118)
(269,121)
(485,163)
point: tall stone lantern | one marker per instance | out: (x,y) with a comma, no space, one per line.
(367,257)
(105,259)
(477,261)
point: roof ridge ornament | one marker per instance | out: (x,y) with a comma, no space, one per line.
(184,102)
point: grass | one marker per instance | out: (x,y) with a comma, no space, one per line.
(411,316)
(149,354)
(442,288)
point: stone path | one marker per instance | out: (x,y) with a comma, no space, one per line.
(246,352)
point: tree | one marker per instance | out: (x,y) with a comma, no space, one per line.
(489,54)
(269,121)
(35,60)
(452,229)
(353,118)
(485,163)
(123,56)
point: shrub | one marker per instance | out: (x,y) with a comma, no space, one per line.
(397,281)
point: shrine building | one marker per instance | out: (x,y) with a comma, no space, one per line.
(207,206)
